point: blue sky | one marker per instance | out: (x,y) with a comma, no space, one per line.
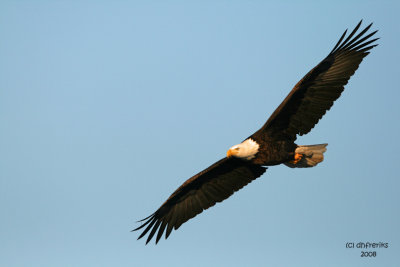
(106,107)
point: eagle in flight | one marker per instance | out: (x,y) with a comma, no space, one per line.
(272,144)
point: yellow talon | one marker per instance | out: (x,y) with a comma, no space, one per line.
(297,158)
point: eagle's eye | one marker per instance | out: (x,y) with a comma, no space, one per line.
(237,148)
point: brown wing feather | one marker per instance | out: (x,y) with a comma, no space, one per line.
(214,184)
(313,95)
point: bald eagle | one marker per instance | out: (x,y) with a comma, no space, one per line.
(273,143)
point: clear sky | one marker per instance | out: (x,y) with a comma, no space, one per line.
(106,107)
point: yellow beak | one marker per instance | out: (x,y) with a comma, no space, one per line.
(229,153)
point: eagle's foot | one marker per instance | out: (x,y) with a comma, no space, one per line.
(297,158)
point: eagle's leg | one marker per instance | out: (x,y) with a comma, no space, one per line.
(297,158)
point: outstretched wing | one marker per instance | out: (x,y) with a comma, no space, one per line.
(214,184)
(315,93)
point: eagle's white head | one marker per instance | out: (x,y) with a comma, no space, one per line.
(245,150)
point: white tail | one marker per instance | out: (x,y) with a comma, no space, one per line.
(311,156)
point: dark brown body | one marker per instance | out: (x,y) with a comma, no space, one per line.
(274,152)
